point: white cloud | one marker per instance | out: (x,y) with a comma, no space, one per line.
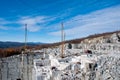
(7,25)
(2,21)
(32,22)
(3,28)
(96,22)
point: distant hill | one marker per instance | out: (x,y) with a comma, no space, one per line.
(9,44)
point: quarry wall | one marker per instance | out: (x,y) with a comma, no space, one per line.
(107,50)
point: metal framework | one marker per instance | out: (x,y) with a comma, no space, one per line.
(62,40)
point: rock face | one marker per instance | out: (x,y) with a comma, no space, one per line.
(11,68)
(109,67)
(101,61)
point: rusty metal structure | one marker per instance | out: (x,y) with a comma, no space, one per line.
(62,40)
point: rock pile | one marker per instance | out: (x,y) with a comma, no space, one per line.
(109,67)
(102,62)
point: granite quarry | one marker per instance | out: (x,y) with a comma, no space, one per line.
(92,59)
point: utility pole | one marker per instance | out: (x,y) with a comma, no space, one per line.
(62,40)
(25,36)
(26,52)
(22,65)
(22,59)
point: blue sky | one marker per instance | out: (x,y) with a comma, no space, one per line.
(43,17)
